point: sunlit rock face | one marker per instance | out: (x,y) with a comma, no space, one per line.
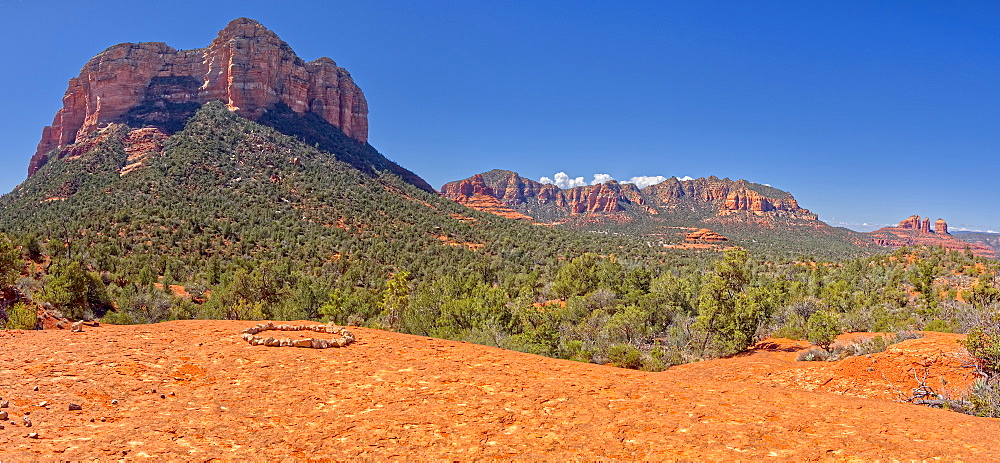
(247,67)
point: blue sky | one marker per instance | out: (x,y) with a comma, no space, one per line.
(866,111)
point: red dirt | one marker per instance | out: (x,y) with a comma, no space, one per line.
(395,396)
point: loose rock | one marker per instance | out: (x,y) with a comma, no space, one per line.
(3,415)
(346,338)
(75,407)
(27,422)
(77,327)
(33,435)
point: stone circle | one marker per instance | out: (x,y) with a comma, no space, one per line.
(345,337)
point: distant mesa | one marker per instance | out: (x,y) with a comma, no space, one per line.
(247,67)
(547,202)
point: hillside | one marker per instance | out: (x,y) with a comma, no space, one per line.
(754,216)
(193,390)
(981,238)
(229,203)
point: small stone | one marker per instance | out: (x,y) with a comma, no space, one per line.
(77,327)
(285,342)
(91,420)
(114,401)
(1,426)
(163,396)
(103,419)
(75,407)
(3,415)
(172,394)
(271,342)
(153,391)
(247,336)
(34,388)
(302,343)
(27,412)
(5,404)
(43,403)
(27,422)
(33,435)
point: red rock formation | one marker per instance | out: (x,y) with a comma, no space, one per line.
(913,231)
(731,197)
(941,227)
(247,66)
(475,193)
(513,190)
(604,197)
(705,235)
(910,223)
(533,198)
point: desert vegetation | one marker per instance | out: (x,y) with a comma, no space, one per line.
(235,220)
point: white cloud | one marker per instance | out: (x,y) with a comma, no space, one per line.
(562,180)
(601,178)
(645,181)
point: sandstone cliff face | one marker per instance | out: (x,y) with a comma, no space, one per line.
(247,66)
(475,193)
(546,202)
(731,197)
(705,235)
(940,226)
(913,222)
(515,191)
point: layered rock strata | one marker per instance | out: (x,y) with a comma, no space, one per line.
(705,235)
(914,222)
(247,67)
(731,196)
(512,190)
(535,199)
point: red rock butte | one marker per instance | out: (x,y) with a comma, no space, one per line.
(247,67)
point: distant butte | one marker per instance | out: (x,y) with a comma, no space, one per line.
(916,231)
(247,67)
